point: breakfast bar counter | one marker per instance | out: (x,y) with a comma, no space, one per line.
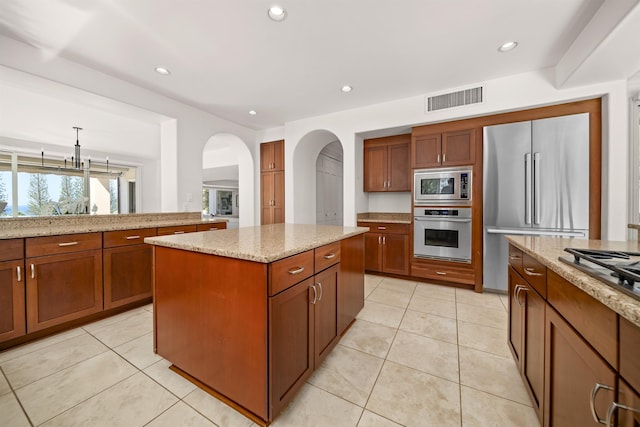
(248,314)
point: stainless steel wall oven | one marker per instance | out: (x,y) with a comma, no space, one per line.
(442,233)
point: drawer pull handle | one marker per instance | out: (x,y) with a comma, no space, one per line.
(612,410)
(132,237)
(514,257)
(320,286)
(531,272)
(296,270)
(592,401)
(315,294)
(520,288)
(178,232)
(382,228)
(33,271)
(67,244)
(330,256)
(19,273)
(441,273)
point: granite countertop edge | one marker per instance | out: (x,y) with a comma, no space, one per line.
(57,230)
(170,242)
(388,221)
(624,305)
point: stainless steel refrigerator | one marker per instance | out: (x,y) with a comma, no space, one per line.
(535,182)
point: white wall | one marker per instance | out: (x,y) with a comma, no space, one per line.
(193,127)
(510,93)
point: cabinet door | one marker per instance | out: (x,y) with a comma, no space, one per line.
(291,330)
(266,196)
(375,168)
(12,320)
(427,151)
(278,197)
(266,157)
(458,148)
(395,253)
(573,371)
(398,173)
(326,313)
(64,287)
(127,274)
(630,399)
(373,251)
(533,338)
(278,155)
(516,311)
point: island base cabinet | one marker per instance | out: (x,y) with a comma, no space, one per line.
(326,314)
(575,372)
(291,334)
(127,274)
(351,281)
(63,287)
(12,320)
(628,408)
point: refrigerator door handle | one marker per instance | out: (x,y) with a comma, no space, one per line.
(534,232)
(536,189)
(527,188)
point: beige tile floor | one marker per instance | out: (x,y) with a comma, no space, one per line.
(418,355)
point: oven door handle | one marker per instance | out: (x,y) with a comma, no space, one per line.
(442,219)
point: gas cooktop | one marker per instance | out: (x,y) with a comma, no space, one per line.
(620,270)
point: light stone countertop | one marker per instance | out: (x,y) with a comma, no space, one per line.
(389,217)
(266,243)
(548,249)
(21,227)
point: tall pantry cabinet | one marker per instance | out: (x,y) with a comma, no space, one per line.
(272,182)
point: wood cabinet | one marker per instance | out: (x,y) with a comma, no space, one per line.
(351,283)
(272,197)
(211,227)
(65,285)
(575,379)
(386,164)
(386,247)
(272,156)
(177,229)
(272,182)
(12,291)
(627,406)
(455,148)
(526,335)
(127,267)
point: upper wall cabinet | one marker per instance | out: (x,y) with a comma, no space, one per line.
(386,164)
(272,156)
(443,149)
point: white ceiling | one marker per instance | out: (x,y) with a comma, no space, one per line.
(228,57)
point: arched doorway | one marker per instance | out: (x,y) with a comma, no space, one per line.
(305,157)
(227,173)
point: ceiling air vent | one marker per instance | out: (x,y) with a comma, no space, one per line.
(455,99)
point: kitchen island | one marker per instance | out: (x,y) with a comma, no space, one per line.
(249,313)
(574,336)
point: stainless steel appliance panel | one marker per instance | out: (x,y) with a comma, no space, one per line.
(560,150)
(506,153)
(444,186)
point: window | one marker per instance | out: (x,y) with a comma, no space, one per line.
(53,187)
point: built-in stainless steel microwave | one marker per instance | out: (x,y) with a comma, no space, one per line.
(442,186)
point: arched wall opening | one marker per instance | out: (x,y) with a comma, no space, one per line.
(305,156)
(227,168)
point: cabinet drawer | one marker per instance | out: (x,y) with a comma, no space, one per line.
(444,273)
(594,321)
(629,351)
(289,271)
(534,273)
(114,239)
(209,227)
(178,229)
(385,227)
(52,245)
(326,256)
(515,258)
(11,249)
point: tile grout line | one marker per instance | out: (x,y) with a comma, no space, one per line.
(459,365)
(15,396)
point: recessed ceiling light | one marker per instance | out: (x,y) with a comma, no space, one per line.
(253,112)
(346,88)
(506,47)
(277,13)
(163,71)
